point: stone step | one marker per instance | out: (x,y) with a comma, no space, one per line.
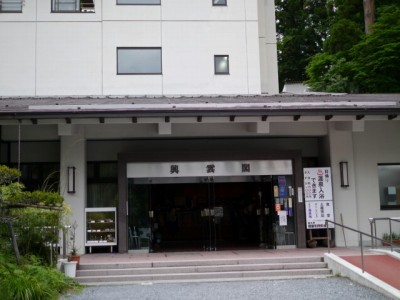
(208,276)
(211,262)
(201,269)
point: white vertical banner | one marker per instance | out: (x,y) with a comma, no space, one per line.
(318,197)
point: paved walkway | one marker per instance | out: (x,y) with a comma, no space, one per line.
(332,288)
(383,267)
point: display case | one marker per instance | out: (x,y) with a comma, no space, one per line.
(101,227)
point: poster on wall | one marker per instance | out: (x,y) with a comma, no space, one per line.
(318,197)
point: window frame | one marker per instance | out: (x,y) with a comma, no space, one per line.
(141,48)
(150,4)
(386,206)
(215,64)
(222,4)
(20,3)
(53,10)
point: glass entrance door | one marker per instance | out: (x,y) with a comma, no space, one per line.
(211,215)
(139,212)
(284,211)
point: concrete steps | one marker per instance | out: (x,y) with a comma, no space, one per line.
(202,270)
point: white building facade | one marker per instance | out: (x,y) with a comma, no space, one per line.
(168,113)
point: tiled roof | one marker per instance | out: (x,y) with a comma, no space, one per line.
(304,104)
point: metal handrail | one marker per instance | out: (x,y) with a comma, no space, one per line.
(372,222)
(357,231)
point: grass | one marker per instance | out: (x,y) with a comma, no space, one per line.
(30,280)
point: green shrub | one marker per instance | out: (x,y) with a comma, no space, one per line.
(30,280)
(395,236)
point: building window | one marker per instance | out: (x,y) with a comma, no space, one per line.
(221,64)
(40,176)
(139,61)
(73,6)
(11,6)
(219,2)
(138,2)
(389,186)
(102,184)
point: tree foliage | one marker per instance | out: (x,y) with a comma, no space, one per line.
(354,62)
(37,216)
(301,29)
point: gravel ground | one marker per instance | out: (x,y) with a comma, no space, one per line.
(319,288)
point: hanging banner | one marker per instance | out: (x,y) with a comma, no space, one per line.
(318,197)
(282,190)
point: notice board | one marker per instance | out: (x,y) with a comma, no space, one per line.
(318,197)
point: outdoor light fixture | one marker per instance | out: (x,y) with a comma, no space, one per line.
(71,180)
(344,173)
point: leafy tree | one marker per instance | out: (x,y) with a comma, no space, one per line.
(355,62)
(376,59)
(35,216)
(301,29)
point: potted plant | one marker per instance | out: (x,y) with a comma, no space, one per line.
(73,254)
(394,237)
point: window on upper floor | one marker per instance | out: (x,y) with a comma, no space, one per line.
(74,6)
(11,6)
(139,61)
(219,2)
(138,2)
(221,64)
(389,186)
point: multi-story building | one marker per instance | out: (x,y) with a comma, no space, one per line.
(167,113)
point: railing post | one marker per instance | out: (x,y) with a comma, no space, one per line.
(328,234)
(372,232)
(390,232)
(362,252)
(65,241)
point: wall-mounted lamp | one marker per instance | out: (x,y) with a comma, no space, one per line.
(344,174)
(71,180)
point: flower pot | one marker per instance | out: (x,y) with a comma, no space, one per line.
(312,243)
(70,268)
(60,264)
(76,258)
(394,242)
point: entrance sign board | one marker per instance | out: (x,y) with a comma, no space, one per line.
(318,197)
(209,169)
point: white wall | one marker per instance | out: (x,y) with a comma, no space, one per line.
(17,58)
(69,58)
(345,203)
(75,53)
(379,143)
(267,46)
(129,34)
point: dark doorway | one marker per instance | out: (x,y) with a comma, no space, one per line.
(211,213)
